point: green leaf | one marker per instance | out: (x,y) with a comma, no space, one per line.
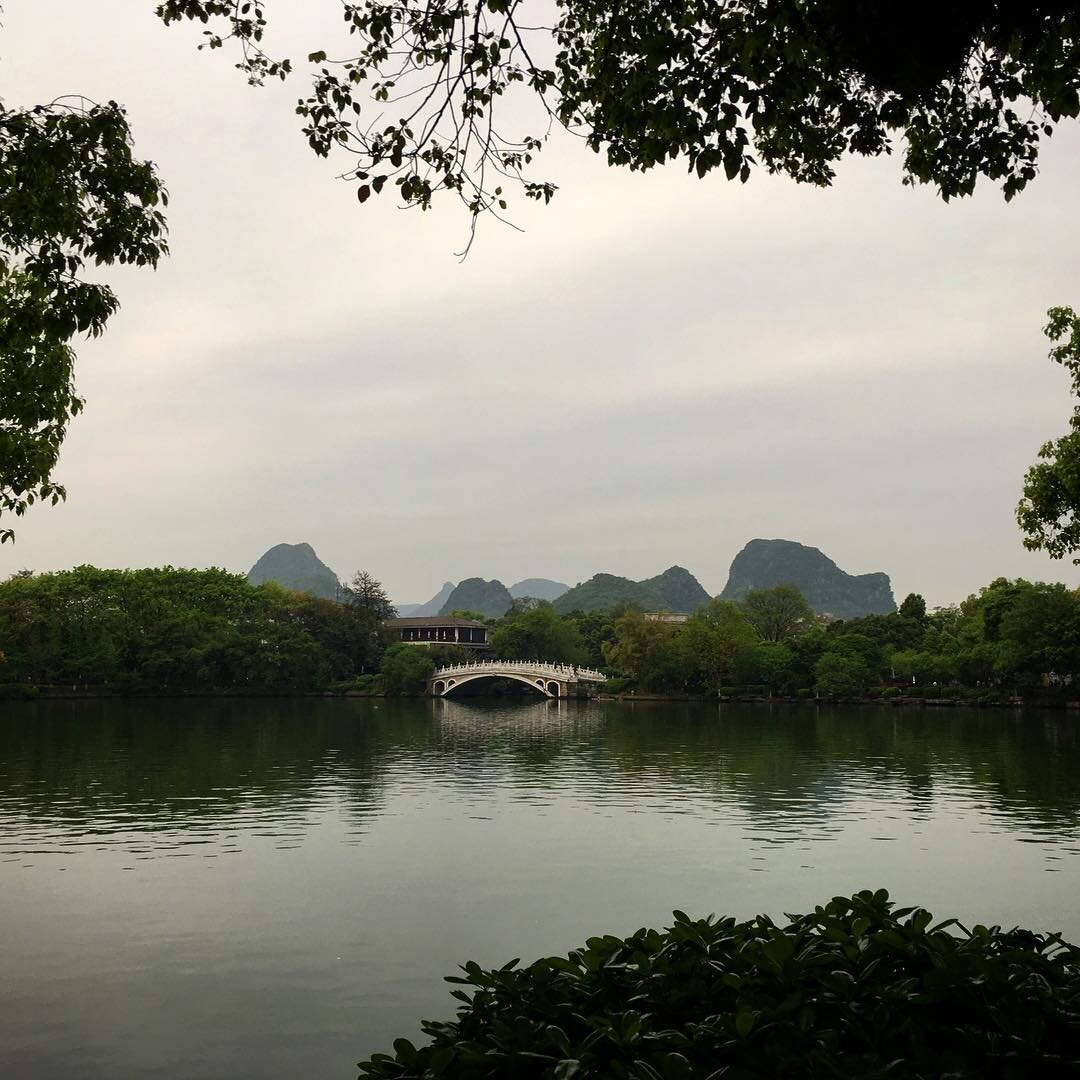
(404,1050)
(440,1059)
(744,1022)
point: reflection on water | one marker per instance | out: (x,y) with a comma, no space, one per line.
(275,887)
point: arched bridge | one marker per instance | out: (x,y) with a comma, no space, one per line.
(551,680)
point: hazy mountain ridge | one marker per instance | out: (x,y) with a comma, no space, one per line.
(760,564)
(829,590)
(489,598)
(538,588)
(676,589)
(433,606)
(296,566)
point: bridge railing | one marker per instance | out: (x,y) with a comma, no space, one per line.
(564,672)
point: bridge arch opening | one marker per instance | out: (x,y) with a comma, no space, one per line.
(476,683)
(553,689)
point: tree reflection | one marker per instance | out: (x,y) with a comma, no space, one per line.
(216,763)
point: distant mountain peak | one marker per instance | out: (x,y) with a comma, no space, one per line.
(763,564)
(296,566)
(676,589)
(679,589)
(538,588)
(489,598)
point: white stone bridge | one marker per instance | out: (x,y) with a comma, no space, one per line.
(551,680)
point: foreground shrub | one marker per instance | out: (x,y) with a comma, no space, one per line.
(17,691)
(857,989)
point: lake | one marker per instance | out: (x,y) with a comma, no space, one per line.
(221,888)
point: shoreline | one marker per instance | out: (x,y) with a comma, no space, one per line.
(15,693)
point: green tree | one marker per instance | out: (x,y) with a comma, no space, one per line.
(464,613)
(343,633)
(405,668)
(1049,511)
(644,650)
(446,653)
(1040,632)
(1014,631)
(597,629)
(778,613)
(924,668)
(538,633)
(369,607)
(365,594)
(841,674)
(858,645)
(162,628)
(913,606)
(851,662)
(768,664)
(71,195)
(899,631)
(713,639)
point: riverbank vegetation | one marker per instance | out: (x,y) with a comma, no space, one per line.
(1011,638)
(856,988)
(169,630)
(184,630)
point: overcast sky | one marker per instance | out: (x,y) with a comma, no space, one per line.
(656,371)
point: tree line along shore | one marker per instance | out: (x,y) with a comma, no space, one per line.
(176,631)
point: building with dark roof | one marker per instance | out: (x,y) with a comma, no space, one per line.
(439,630)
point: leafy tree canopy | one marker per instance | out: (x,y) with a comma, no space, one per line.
(1049,512)
(839,674)
(367,596)
(968,88)
(713,639)
(536,632)
(913,607)
(404,669)
(465,613)
(643,649)
(777,613)
(71,194)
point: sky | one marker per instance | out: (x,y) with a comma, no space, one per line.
(655,371)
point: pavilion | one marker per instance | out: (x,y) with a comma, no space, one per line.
(440,630)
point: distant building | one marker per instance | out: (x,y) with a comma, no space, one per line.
(439,630)
(666,616)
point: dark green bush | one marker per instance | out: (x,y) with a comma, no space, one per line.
(857,989)
(617,686)
(891,692)
(17,692)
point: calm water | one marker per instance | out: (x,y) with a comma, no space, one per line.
(222,889)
